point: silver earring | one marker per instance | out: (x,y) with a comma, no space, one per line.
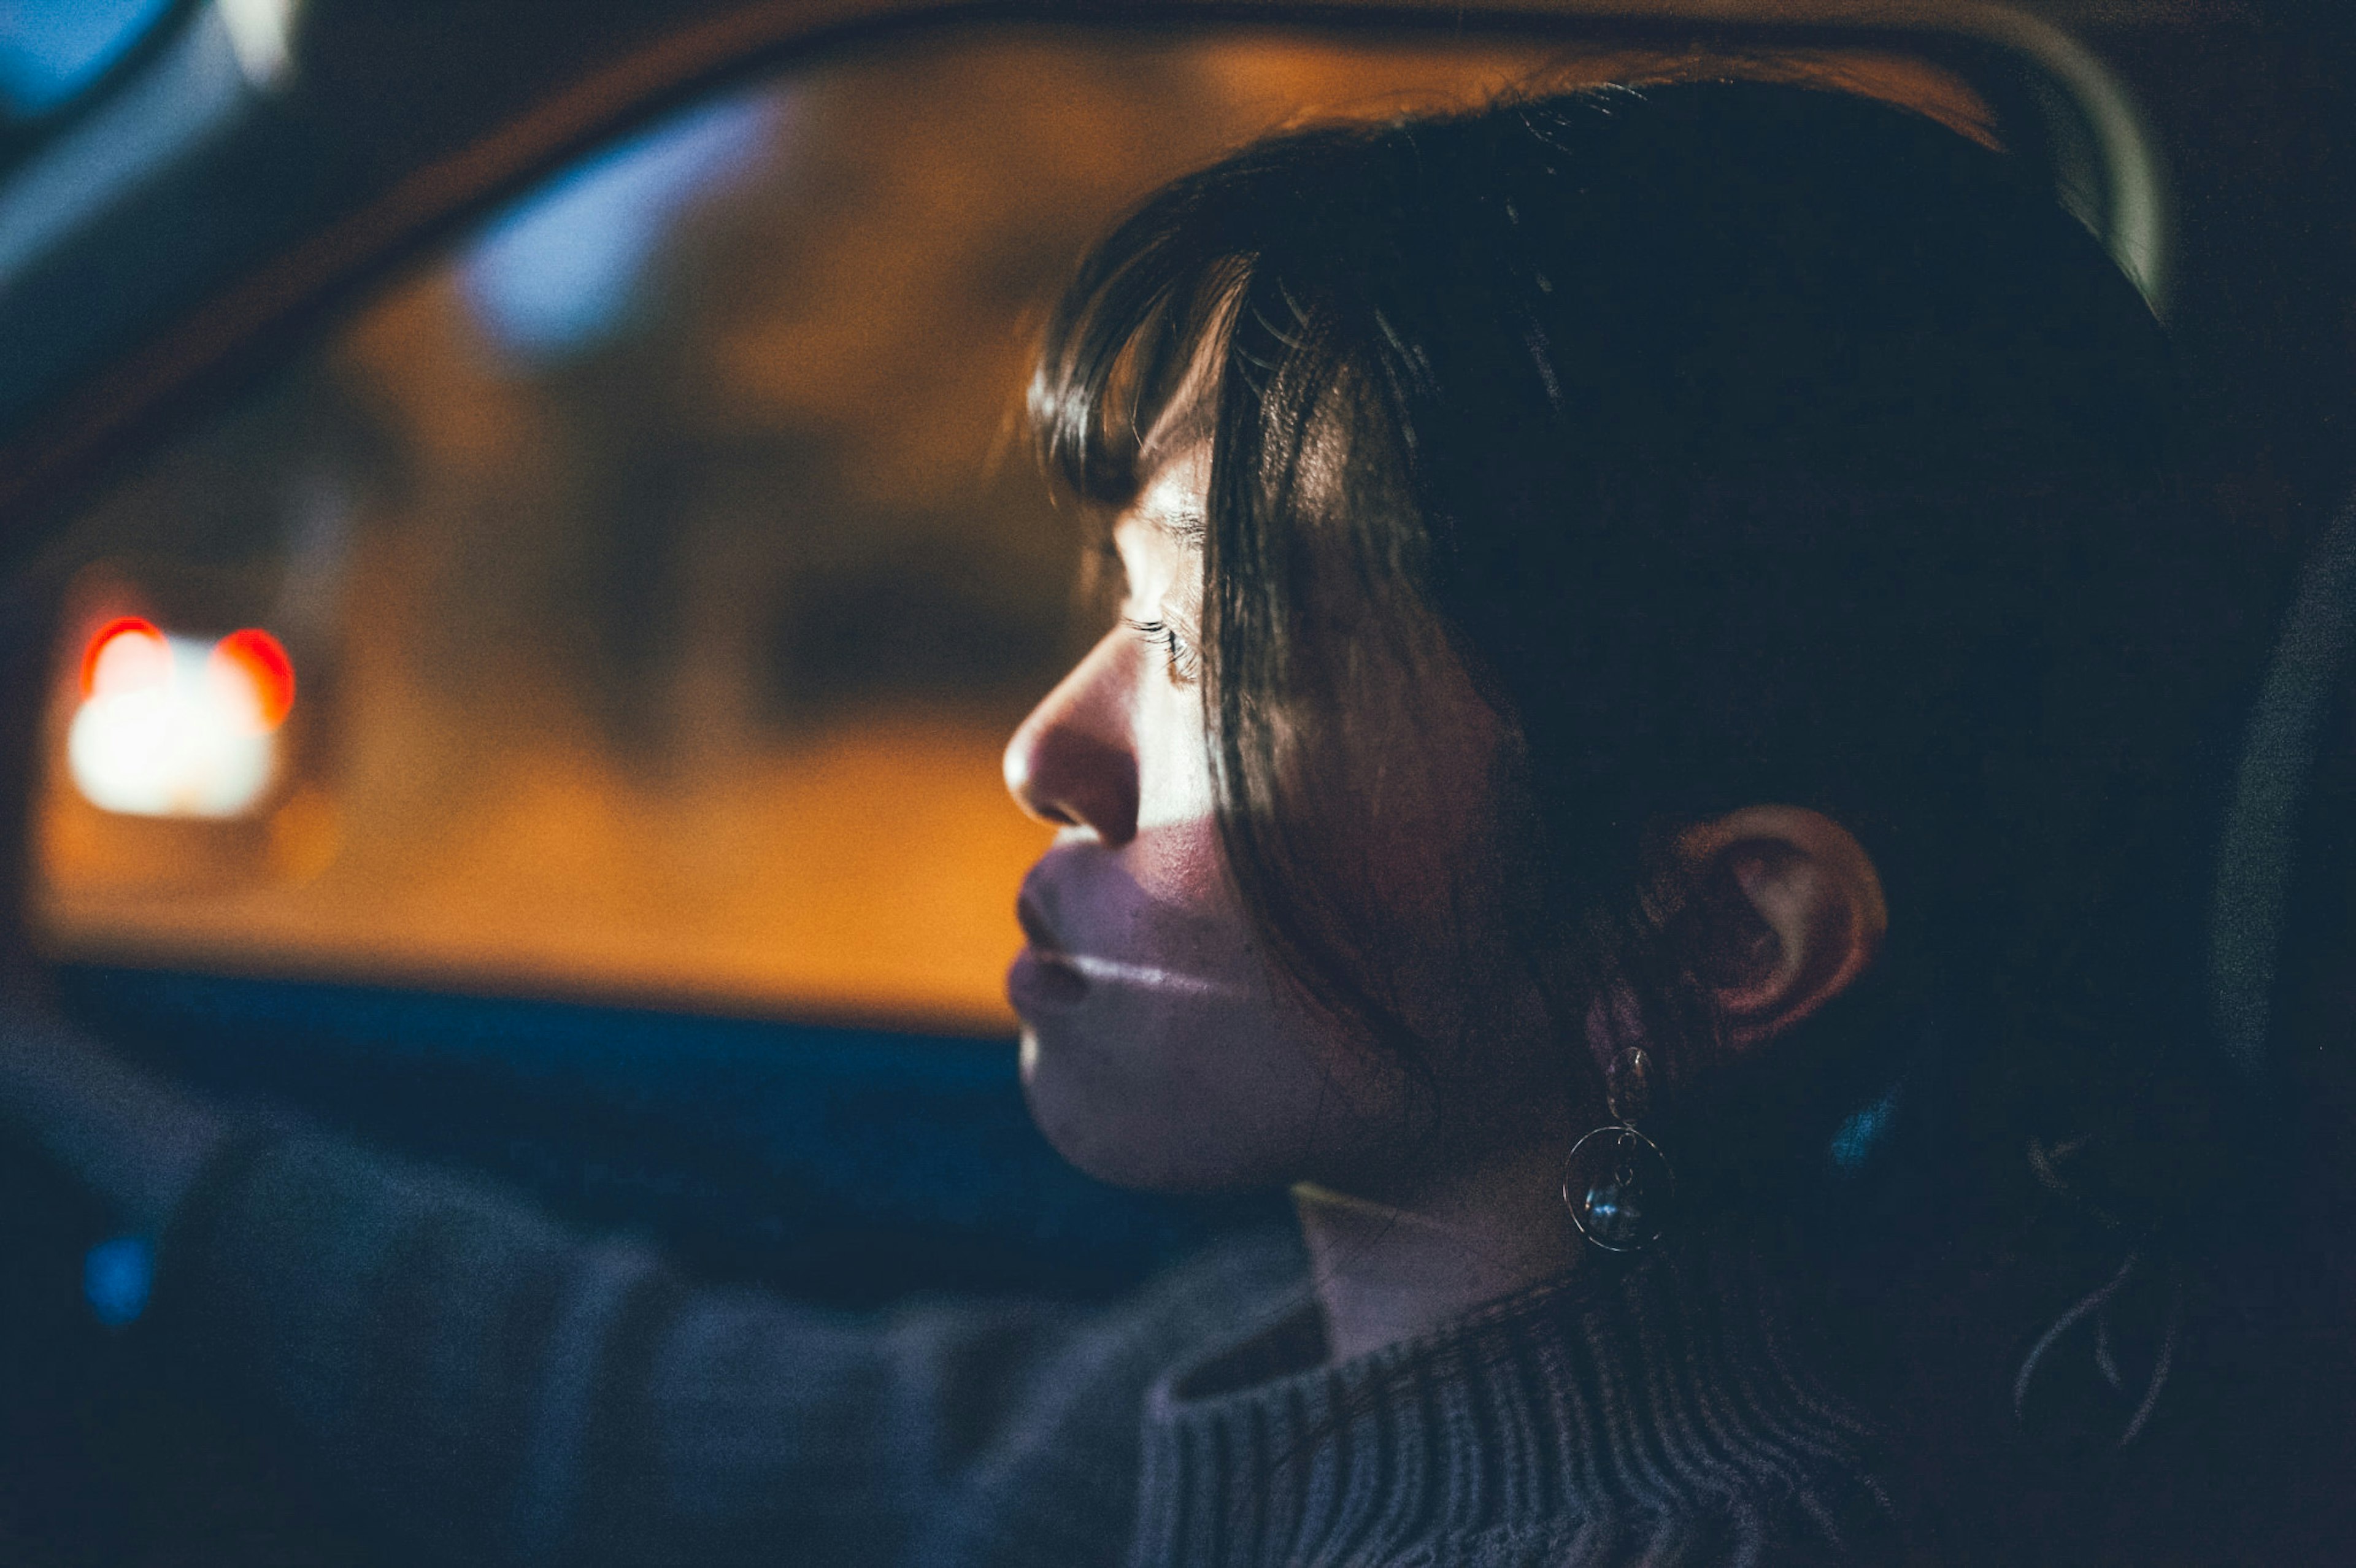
(1617,1184)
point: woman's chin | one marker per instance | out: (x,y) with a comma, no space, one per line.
(1128,1134)
(1092,1135)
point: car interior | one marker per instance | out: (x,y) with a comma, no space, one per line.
(521,558)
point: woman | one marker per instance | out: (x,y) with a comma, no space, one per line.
(1649,770)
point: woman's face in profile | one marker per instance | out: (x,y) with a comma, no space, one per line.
(1159,1051)
(1156,1050)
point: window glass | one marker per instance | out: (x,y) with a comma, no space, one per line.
(635,601)
(50,50)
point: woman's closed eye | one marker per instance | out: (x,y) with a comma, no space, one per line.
(1177,651)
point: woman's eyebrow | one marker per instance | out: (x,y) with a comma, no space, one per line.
(1185,524)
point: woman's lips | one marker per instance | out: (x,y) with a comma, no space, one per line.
(1043,981)
(1033,920)
(1048,977)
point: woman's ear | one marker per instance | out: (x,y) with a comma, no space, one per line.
(1790,913)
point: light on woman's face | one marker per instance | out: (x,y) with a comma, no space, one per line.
(172,726)
(1161,1047)
(1157,1051)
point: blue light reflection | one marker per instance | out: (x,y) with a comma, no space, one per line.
(51,49)
(1854,1143)
(115,1278)
(561,270)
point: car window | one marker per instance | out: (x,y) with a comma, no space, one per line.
(52,51)
(633,599)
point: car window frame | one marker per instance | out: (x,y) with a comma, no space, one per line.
(262,322)
(259,319)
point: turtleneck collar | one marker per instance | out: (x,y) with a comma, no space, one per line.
(1635,1404)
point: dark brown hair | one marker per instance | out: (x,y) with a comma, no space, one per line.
(1746,443)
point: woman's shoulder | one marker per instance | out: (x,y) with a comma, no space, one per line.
(1627,1413)
(1749,1539)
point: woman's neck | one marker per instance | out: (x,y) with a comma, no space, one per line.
(1386,1273)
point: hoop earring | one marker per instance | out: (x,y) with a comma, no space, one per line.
(1617,1183)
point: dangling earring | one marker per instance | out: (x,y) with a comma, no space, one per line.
(1617,1184)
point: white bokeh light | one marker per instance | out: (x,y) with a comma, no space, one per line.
(168,730)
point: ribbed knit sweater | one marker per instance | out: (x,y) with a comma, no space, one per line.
(487,1388)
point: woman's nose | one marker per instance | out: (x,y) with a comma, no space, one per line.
(1074,761)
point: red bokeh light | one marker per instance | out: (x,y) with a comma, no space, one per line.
(150,664)
(259,660)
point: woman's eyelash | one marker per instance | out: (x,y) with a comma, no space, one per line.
(1183,665)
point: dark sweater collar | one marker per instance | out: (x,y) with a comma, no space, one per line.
(1632,1402)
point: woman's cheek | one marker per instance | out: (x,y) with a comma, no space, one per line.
(1184,865)
(1170,727)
